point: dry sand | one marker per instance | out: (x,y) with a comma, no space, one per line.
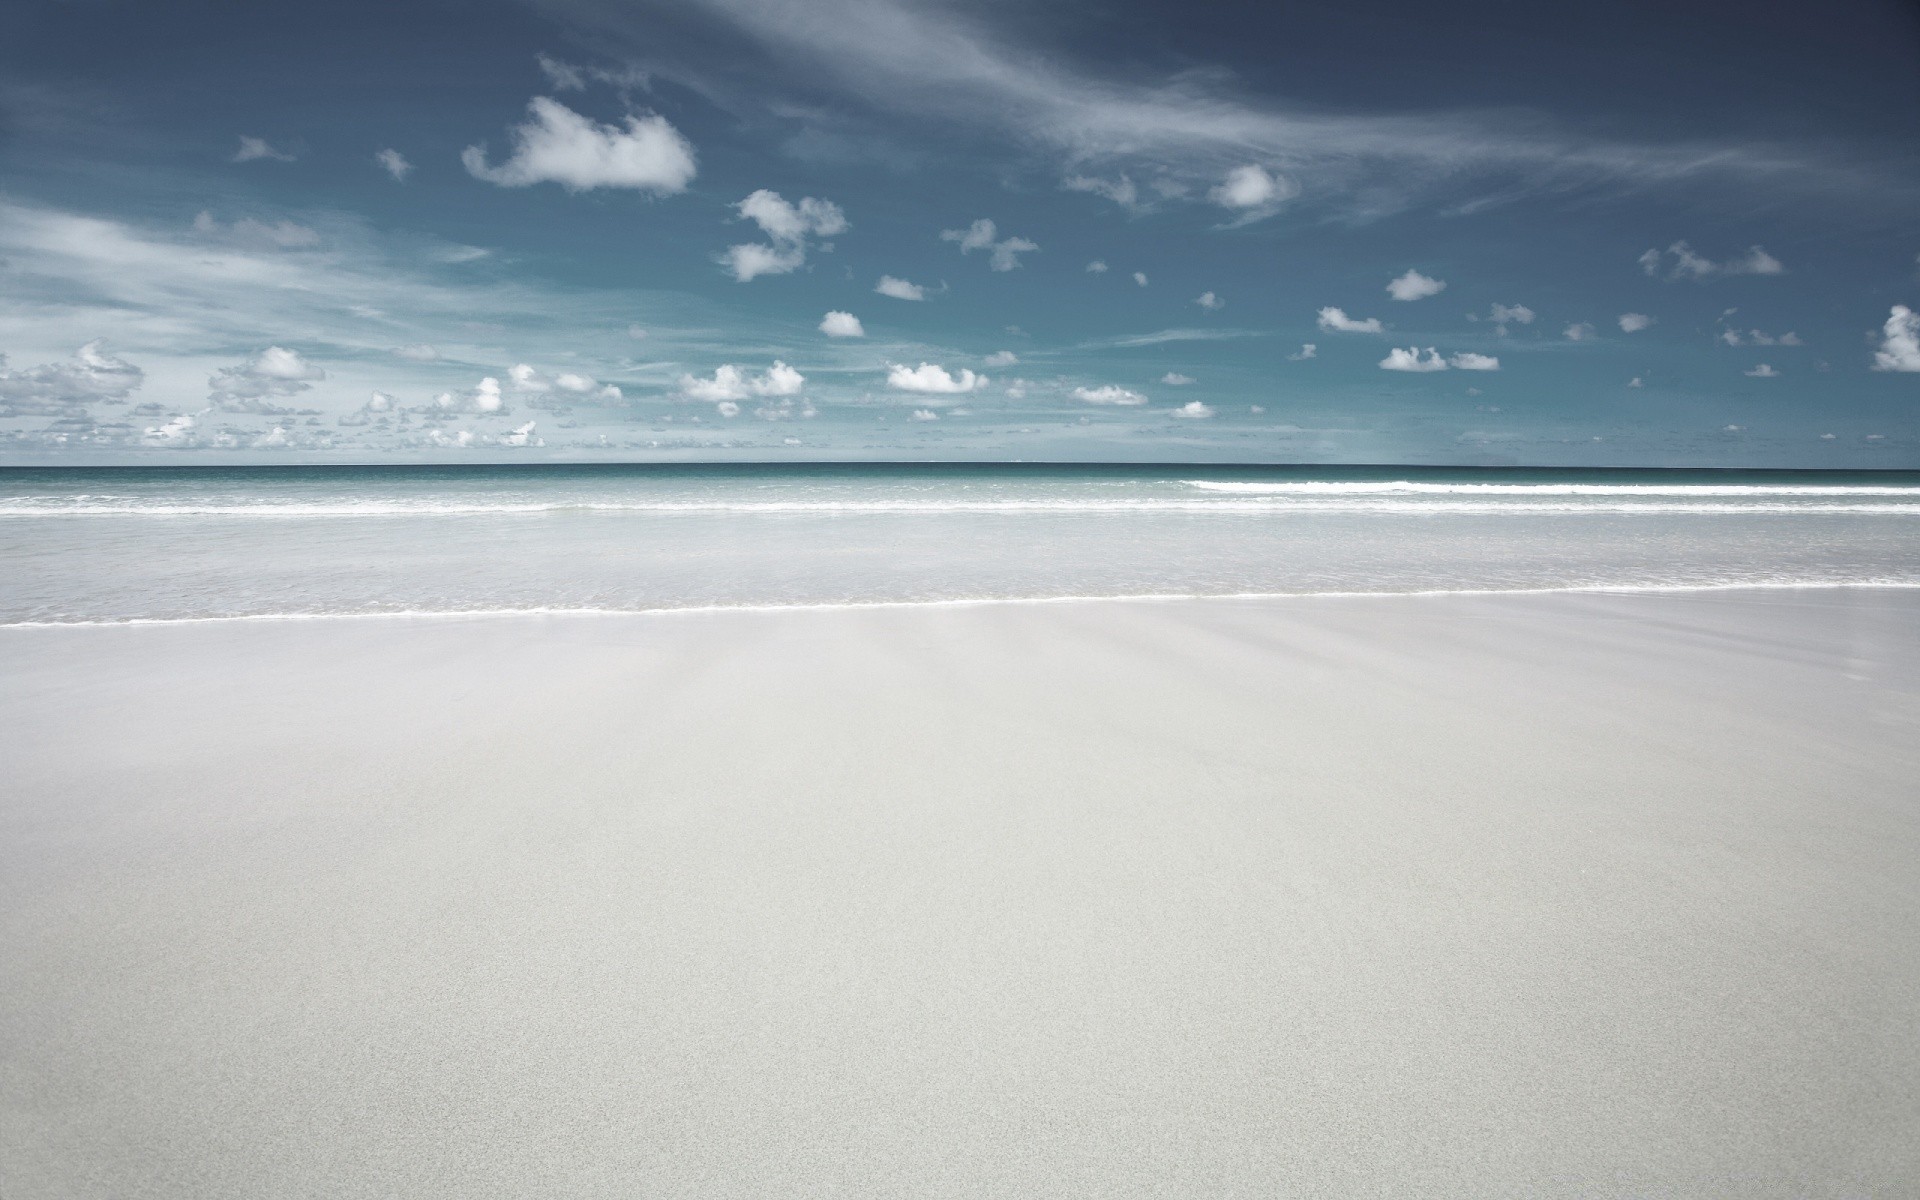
(1478,896)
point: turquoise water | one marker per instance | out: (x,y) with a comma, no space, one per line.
(125,544)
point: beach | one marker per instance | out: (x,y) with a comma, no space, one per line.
(1396,895)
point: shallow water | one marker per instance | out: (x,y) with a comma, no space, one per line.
(165,544)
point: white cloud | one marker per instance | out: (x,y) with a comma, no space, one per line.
(1175,379)
(727,408)
(394,163)
(418,352)
(1579,331)
(1899,342)
(1414,286)
(900,289)
(905,59)
(1140,277)
(637,332)
(521,436)
(256,235)
(560,146)
(1636,382)
(252,386)
(1119,190)
(788,226)
(253,148)
(1253,192)
(571,77)
(1097,267)
(1109,394)
(925,414)
(1193,410)
(1503,315)
(484,400)
(1002,358)
(1410,360)
(91,376)
(1334,320)
(731,383)
(842,325)
(1210,302)
(1466,360)
(565,77)
(1003,255)
(1634,322)
(1307,350)
(930,377)
(1763,371)
(1679,261)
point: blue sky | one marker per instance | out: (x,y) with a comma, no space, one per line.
(1638,234)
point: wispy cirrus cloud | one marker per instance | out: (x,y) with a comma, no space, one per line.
(1190,132)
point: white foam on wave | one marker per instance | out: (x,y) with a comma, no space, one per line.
(1761,585)
(1378,500)
(1405,487)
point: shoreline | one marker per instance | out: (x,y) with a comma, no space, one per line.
(1604,589)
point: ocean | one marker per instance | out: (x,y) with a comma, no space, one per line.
(174,544)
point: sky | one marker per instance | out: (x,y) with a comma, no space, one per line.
(1361,232)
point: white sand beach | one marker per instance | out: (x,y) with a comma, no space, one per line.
(1560,895)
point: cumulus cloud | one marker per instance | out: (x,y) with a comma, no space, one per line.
(566,387)
(1002,358)
(900,289)
(787,226)
(842,325)
(180,430)
(1899,341)
(1414,286)
(394,163)
(253,386)
(1579,331)
(1466,360)
(1410,360)
(1140,277)
(730,383)
(1307,350)
(253,148)
(1193,410)
(1334,320)
(1210,302)
(1762,371)
(91,375)
(1253,192)
(1755,337)
(1634,322)
(1503,315)
(925,414)
(1679,261)
(1176,379)
(379,406)
(558,145)
(1109,394)
(1097,267)
(1002,254)
(931,377)
(485,399)
(1636,382)
(522,436)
